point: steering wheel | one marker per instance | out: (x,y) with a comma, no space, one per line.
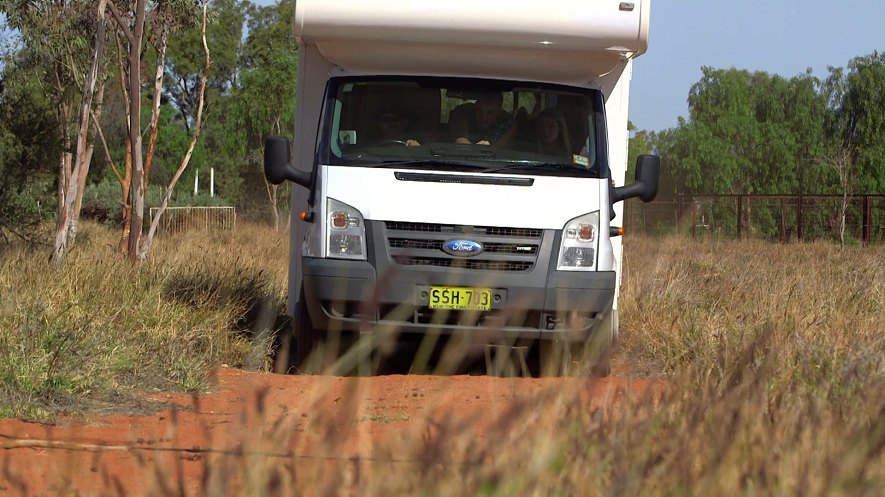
(387,143)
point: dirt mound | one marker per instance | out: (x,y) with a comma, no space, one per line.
(198,442)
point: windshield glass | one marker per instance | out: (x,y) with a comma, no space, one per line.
(463,124)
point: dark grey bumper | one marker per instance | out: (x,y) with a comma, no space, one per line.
(352,296)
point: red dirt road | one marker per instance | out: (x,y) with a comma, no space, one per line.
(195,443)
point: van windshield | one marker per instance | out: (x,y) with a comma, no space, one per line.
(463,124)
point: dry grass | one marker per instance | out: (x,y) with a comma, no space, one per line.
(99,328)
(773,355)
(774,359)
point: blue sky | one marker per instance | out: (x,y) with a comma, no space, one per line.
(776,36)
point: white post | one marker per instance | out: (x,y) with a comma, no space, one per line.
(196,182)
(212,182)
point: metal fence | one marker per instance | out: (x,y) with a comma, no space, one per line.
(176,219)
(775,217)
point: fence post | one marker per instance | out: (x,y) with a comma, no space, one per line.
(740,217)
(678,209)
(867,235)
(799,219)
(783,221)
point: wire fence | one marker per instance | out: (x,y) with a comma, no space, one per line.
(177,219)
(782,218)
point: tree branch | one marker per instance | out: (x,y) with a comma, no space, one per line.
(107,153)
(187,156)
(121,23)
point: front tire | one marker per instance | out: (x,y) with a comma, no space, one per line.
(561,357)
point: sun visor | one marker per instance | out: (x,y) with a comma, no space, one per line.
(553,40)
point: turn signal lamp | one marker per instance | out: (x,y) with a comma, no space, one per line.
(339,219)
(585,232)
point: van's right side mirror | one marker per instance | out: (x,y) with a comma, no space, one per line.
(648,171)
(277,165)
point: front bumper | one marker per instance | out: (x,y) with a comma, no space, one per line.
(353,296)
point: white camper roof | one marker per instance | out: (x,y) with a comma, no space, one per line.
(569,41)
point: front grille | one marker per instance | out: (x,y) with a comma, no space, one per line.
(497,248)
(464,230)
(464,263)
(504,249)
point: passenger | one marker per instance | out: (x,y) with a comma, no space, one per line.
(484,122)
(551,134)
(393,125)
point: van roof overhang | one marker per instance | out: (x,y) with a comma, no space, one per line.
(564,41)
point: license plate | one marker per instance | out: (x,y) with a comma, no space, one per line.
(460,298)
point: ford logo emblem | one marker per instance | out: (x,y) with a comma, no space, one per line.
(462,248)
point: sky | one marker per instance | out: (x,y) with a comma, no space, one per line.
(776,36)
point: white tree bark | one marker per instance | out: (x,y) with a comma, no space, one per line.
(198,126)
(73,177)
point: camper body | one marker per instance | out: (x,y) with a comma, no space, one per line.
(408,226)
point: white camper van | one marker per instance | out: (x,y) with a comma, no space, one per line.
(460,169)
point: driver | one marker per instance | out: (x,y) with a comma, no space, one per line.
(484,122)
(393,124)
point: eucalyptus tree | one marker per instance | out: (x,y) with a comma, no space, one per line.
(139,22)
(66,39)
(857,98)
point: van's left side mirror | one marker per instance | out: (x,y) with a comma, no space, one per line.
(277,164)
(648,171)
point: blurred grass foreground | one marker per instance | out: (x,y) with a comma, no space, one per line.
(773,357)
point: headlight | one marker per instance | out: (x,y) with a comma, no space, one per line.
(577,252)
(346,231)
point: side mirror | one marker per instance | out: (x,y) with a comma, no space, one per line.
(277,164)
(648,171)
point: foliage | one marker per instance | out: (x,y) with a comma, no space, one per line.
(761,133)
(261,103)
(185,58)
(28,142)
(101,201)
(172,143)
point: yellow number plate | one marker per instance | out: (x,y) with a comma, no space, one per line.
(460,298)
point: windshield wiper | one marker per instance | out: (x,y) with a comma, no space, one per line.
(462,150)
(443,164)
(538,166)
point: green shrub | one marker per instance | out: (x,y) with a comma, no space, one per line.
(102,202)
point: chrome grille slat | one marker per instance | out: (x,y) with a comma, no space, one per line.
(479,265)
(504,249)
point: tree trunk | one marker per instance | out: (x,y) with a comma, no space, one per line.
(155,110)
(273,196)
(273,190)
(842,216)
(125,179)
(96,76)
(137,187)
(64,172)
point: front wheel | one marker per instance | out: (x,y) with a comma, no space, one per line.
(318,351)
(560,357)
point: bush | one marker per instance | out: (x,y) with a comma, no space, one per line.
(102,202)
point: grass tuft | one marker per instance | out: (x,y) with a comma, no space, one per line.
(99,327)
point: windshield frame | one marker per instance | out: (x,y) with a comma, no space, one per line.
(324,150)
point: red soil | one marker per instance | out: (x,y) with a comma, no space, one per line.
(268,416)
